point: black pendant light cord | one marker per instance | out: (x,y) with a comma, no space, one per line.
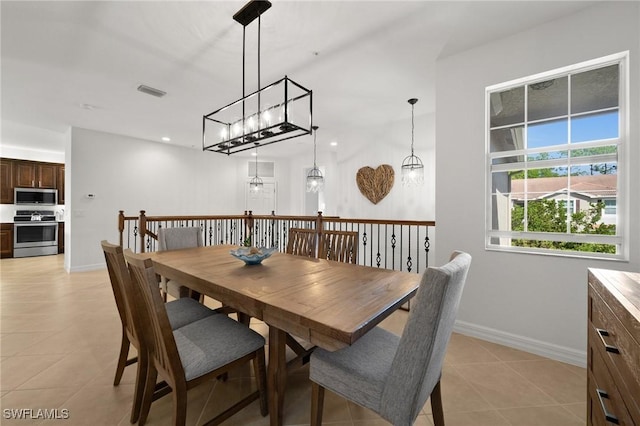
(259,31)
(412,101)
(244,37)
(315,135)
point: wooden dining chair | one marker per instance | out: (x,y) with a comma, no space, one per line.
(302,242)
(176,239)
(180,313)
(339,245)
(193,354)
(394,375)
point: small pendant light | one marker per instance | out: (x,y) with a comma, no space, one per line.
(256,184)
(412,167)
(315,181)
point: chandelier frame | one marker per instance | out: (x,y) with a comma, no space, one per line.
(279,111)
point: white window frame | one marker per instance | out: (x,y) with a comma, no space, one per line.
(622,225)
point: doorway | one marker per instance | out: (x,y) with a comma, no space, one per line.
(261,202)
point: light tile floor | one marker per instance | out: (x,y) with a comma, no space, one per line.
(60,337)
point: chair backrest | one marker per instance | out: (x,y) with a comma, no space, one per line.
(417,364)
(179,238)
(121,285)
(302,242)
(339,245)
(154,321)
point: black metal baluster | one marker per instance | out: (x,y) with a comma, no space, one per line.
(417,249)
(386,229)
(409,262)
(401,245)
(364,245)
(378,254)
(427,245)
(393,246)
(135,237)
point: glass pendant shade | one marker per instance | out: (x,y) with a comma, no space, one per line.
(412,169)
(315,180)
(255,184)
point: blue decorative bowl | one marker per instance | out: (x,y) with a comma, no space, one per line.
(244,254)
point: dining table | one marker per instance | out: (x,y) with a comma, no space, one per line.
(326,303)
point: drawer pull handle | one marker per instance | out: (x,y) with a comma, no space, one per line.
(608,348)
(608,416)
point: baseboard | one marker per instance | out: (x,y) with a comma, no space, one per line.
(88,268)
(538,347)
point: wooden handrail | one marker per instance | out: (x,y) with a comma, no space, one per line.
(392,244)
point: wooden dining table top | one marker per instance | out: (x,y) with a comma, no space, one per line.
(330,304)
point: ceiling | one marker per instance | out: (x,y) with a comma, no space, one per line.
(78,63)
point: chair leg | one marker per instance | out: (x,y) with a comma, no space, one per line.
(260,371)
(317,403)
(180,405)
(149,388)
(138,394)
(436,405)
(122,358)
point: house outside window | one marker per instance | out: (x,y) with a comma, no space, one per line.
(609,207)
(555,167)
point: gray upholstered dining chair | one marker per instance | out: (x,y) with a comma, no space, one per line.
(191,355)
(394,375)
(176,239)
(180,312)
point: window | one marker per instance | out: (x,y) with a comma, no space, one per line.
(554,166)
(610,207)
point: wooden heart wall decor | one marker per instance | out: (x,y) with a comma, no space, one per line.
(376,183)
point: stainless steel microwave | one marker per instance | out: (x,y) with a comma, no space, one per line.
(43,197)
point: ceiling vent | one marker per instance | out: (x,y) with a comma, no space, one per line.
(151,91)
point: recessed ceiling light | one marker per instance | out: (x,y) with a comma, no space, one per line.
(166,139)
(254,154)
(334,143)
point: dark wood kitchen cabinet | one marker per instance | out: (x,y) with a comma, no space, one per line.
(33,174)
(6,181)
(60,237)
(6,240)
(60,184)
(29,174)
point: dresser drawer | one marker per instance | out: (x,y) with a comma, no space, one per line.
(617,349)
(605,401)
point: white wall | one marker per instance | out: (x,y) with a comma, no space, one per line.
(534,302)
(377,144)
(132,175)
(31,143)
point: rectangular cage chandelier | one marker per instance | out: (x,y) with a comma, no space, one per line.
(274,113)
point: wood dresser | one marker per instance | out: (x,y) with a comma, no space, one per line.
(613,353)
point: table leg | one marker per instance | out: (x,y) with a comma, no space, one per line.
(276,373)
